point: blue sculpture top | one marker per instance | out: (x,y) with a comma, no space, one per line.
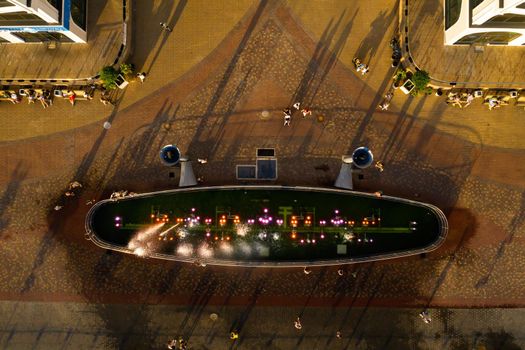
(170,155)
(362,157)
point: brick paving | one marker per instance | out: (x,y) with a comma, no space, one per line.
(217,115)
(109,326)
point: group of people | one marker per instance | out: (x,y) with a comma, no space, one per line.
(455,99)
(44,97)
(288,113)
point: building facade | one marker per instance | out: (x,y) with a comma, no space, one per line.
(485,22)
(29,21)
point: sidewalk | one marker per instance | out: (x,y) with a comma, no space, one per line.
(496,66)
(110,326)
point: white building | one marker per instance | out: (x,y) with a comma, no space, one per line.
(485,22)
(24,21)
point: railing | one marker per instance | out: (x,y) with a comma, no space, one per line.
(443,231)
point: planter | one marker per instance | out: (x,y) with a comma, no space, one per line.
(408,86)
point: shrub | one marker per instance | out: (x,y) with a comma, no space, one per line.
(421,80)
(126,68)
(108,76)
(400,76)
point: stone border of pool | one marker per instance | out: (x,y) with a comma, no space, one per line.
(443,224)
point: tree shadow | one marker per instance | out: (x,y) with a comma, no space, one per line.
(517,221)
(323,60)
(8,196)
(141,53)
(367,49)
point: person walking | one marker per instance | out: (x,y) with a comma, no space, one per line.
(171,344)
(307,270)
(380,166)
(141,76)
(296,105)
(425,316)
(202,160)
(287,119)
(234,335)
(165,27)
(297,323)
(306,112)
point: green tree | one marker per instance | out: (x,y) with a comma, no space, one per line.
(421,80)
(108,76)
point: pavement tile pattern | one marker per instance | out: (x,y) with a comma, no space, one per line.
(218,116)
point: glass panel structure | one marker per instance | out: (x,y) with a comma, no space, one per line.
(78,13)
(493,38)
(20,19)
(452,11)
(42,36)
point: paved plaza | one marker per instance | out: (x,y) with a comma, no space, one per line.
(207,96)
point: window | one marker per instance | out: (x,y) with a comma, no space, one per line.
(452,11)
(493,38)
(55,3)
(5,3)
(42,37)
(20,19)
(507,19)
(78,12)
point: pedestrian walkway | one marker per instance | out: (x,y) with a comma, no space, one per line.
(29,325)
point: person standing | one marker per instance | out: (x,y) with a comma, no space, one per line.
(297,323)
(165,27)
(141,76)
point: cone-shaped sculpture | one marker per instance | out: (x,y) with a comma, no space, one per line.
(187,177)
(344,179)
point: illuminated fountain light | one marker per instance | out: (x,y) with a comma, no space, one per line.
(337,221)
(205,251)
(185,249)
(275,236)
(245,248)
(140,251)
(251,221)
(182,233)
(207,221)
(322,222)
(163,233)
(349,236)
(279,222)
(147,233)
(226,248)
(142,237)
(262,235)
(262,249)
(242,230)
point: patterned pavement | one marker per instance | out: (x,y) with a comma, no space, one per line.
(266,63)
